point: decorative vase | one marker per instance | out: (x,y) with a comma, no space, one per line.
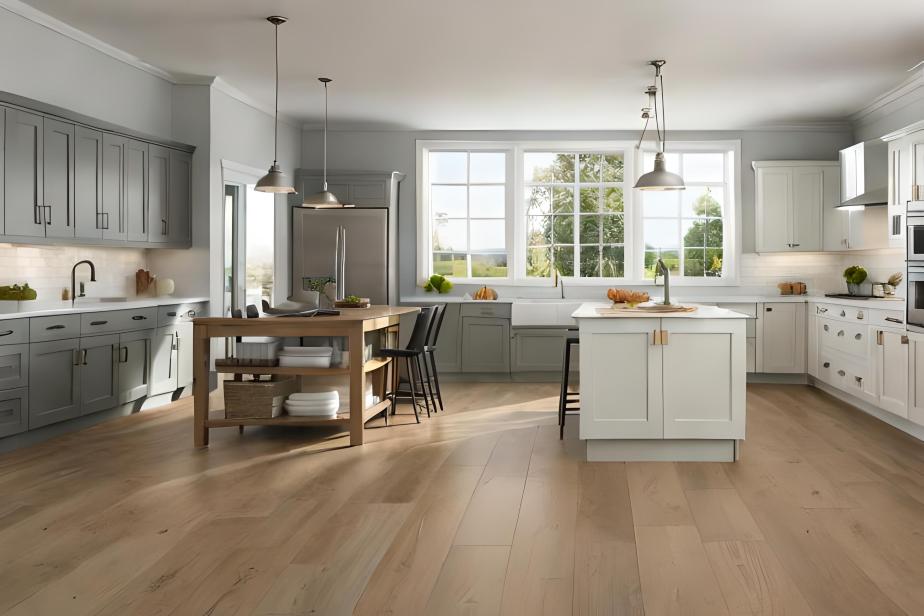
(853,289)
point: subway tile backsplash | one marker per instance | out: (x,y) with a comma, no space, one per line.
(47,269)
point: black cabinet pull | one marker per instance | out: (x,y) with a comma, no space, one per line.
(123,352)
(6,333)
(827,364)
(50,327)
(98,322)
(171,313)
(48,220)
(139,317)
(893,320)
(37,212)
(768,309)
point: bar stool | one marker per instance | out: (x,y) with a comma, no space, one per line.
(433,378)
(411,354)
(568,401)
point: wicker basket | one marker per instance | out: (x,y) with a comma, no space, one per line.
(254,399)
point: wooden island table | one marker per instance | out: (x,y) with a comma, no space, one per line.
(352,324)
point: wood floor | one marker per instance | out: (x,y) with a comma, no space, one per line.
(481,510)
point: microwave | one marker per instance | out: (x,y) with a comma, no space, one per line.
(915,237)
(914,303)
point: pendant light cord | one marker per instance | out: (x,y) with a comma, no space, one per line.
(325,135)
(663,115)
(276,115)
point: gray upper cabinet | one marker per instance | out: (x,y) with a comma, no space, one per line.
(180,198)
(58,178)
(89,220)
(98,373)
(24,211)
(54,361)
(158,194)
(112,206)
(2,165)
(136,191)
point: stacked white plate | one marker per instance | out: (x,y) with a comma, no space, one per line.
(305,357)
(314,404)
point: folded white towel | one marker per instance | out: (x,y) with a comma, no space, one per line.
(307,351)
(321,396)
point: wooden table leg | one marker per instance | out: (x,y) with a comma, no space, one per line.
(201,360)
(357,384)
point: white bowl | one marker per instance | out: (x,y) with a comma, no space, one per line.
(317,396)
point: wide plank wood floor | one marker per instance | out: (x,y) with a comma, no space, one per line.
(479,510)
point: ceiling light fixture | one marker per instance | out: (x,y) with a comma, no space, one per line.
(275,181)
(659,178)
(325,198)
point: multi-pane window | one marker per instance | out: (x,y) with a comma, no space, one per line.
(575,214)
(468,210)
(686,228)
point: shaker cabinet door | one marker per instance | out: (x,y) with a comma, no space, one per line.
(114,168)
(98,373)
(136,191)
(164,378)
(158,194)
(88,184)
(24,211)
(54,382)
(134,359)
(58,178)
(178,215)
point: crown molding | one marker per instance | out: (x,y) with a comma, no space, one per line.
(56,25)
(897,97)
(832,126)
(226,88)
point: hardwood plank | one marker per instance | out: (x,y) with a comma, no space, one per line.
(675,572)
(721,515)
(540,572)
(606,576)
(491,516)
(702,475)
(471,582)
(474,451)
(329,574)
(511,454)
(404,578)
(753,581)
(657,498)
(554,459)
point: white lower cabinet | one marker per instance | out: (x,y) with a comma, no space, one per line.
(662,378)
(916,378)
(782,338)
(891,358)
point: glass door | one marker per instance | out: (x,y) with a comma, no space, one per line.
(249,247)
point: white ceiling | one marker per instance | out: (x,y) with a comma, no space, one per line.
(528,64)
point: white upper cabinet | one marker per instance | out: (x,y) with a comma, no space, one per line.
(791,201)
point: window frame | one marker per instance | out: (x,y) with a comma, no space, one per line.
(515,229)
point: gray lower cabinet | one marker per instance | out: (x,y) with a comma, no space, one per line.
(14,411)
(134,365)
(448,349)
(164,361)
(538,350)
(99,374)
(485,344)
(14,366)
(54,382)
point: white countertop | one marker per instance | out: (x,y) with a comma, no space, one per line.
(40,309)
(588,310)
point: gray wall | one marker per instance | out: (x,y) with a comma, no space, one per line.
(396,150)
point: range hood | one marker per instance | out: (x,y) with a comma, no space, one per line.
(864,173)
(876,196)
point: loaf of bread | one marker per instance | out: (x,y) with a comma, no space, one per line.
(627,296)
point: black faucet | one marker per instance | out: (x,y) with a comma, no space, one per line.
(74,279)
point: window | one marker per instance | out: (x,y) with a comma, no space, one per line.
(575,221)
(468,213)
(520,211)
(686,228)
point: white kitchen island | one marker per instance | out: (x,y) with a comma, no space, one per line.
(661,386)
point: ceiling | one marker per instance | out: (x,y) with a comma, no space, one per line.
(528,64)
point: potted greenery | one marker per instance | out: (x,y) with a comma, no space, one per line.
(855,275)
(12,295)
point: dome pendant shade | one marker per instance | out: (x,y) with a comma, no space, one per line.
(324,198)
(275,181)
(660,178)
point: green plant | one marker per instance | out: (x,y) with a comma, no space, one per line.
(437,283)
(316,283)
(855,274)
(17,292)
(353,299)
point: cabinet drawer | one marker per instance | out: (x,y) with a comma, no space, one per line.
(179,313)
(112,321)
(849,376)
(54,328)
(485,309)
(14,331)
(14,411)
(843,313)
(14,366)
(887,318)
(846,337)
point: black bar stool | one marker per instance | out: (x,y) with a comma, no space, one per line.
(411,354)
(433,378)
(568,401)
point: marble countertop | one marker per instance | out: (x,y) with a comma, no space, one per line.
(40,309)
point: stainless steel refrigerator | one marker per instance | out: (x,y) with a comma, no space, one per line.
(314,244)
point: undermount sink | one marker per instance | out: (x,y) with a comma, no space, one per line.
(543,312)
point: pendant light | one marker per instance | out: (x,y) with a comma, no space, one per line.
(325,198)
(275,181)
(659,178)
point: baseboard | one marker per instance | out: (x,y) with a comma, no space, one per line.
(900,423)
(782,379)
(506,377)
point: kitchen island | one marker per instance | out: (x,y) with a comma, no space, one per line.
(661,386)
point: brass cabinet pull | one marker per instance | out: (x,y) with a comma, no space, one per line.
(904,339)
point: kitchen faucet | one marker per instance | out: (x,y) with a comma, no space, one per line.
(660,268)
(559,282)
(74,280)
